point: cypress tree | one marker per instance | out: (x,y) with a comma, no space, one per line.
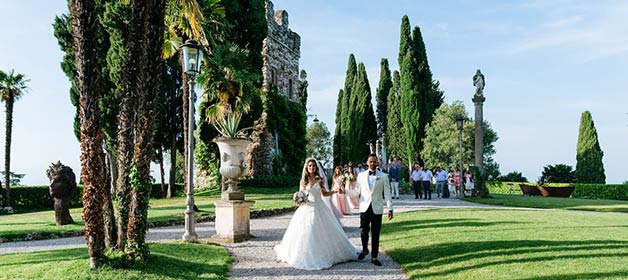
(424,86)
(385,83)
(337,146)
(589,165)
(395,136)
(362,126)
(410,100)
(347,108)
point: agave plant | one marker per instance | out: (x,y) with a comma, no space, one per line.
(227,125)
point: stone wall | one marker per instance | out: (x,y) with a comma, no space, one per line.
(281,52)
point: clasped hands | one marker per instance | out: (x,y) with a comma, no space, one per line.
(339,190)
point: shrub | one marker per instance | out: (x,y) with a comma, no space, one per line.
(270,182)
(514,176)
(601,191)
(38,197)
(559,173)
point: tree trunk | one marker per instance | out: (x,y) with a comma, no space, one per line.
(92,158)
(149,80)
(173,160)
(111,238)
(162,173)
(126,120)
(7,149)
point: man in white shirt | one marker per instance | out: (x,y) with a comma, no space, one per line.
(426,177)
(415,177)
(441,181)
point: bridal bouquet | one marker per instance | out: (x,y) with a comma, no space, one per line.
(300,198)
(348,177)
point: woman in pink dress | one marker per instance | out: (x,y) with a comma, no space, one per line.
(354,203)
(339,200)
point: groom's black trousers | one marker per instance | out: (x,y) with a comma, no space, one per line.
(372,222)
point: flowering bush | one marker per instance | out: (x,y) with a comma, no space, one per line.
(300,198)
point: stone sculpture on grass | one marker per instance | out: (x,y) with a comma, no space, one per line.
(62,187)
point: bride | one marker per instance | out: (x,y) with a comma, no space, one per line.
(314,239)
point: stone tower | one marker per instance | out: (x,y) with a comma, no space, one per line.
(280,52)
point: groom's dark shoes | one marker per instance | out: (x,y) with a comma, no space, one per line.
(362,255)
(376,262)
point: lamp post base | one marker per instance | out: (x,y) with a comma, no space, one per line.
(190,225)
(232,220)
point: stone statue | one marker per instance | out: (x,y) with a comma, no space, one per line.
(62,186)
(478,82)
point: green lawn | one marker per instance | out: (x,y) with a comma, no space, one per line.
(161,211)
(508,244)
(554,203)
(167,261)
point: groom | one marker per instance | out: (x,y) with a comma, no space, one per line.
(372,188)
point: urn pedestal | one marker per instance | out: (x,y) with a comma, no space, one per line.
(232,220)
(232,211)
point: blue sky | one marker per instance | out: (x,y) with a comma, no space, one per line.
(545,63)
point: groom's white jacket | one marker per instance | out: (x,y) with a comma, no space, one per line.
(368,196)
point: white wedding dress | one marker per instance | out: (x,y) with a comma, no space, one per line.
(314,239)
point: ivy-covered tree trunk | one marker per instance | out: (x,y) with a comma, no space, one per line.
(92,157)
(151,13)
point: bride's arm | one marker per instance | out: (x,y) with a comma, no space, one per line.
(324,190)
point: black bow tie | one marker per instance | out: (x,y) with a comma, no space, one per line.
(371,172)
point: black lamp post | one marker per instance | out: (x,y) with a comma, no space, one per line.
(460,126)
(192,58)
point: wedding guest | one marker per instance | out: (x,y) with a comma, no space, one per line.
(469,182)
(458,182)
(441,181)
(328,199)
(451,184)
(393,173)
(350,185)
(339,199)
(426,178)
(416,181)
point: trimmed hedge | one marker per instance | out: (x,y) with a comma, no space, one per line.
(601,191)
(38,197)
(271,182)
(590,191)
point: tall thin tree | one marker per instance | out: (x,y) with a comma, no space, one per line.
(385,84)
(12,88)
(589,165)
(83,17)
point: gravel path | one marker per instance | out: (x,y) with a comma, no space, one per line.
(255,259)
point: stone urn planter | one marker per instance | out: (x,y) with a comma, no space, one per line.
(557,191)
(232,211)
(232,153)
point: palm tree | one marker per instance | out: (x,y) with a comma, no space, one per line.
(225,79)
(187,19)
(84,19)
(12,87)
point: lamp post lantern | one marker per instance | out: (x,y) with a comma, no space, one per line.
(192,56)
(460,126)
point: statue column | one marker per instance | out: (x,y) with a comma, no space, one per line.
(478,101)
